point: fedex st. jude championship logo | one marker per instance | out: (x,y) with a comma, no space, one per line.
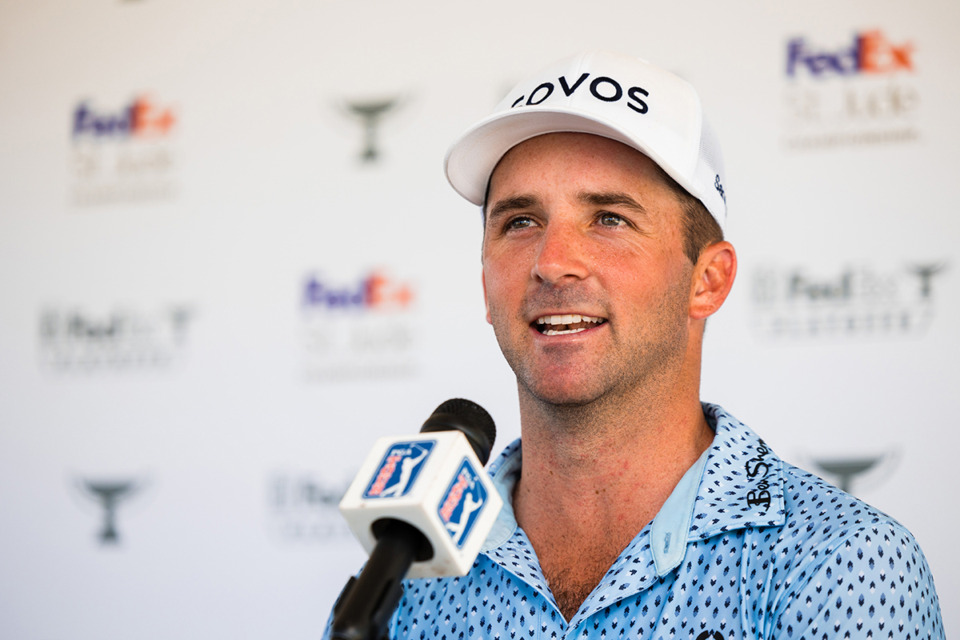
(462,502)
(856,91)
(398,471)
(124,153)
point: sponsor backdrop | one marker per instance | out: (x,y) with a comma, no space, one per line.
(231,262)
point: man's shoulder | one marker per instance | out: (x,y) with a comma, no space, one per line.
(821,551)
(834,547)
(828,518)
(808,519)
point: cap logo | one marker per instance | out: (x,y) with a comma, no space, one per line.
(719,187)
(603,88)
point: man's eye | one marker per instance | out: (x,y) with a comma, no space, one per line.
(519,222)
(611,219)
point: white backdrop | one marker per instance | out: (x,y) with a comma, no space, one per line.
(219,287)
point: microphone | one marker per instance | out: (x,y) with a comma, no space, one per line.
(421,506)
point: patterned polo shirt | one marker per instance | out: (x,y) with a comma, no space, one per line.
(746,546)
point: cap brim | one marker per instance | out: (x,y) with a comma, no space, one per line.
(471,160)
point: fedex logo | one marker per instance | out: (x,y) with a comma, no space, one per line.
(141,118)
(870,52)
(375,291)
(398,471)
(462,502)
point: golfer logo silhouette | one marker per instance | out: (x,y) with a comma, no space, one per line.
(461,503)
(458,528)
(398,470)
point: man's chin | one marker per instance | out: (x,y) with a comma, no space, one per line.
(569,395)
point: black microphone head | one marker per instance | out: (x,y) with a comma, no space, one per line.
(469,418)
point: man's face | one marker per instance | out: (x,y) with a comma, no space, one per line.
(585,280)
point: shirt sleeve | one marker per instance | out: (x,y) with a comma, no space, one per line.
(875,584)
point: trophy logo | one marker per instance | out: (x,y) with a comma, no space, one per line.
(926,272)
(857,470)
(109,495)
(371,113)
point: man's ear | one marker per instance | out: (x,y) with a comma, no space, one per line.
(483,281)
(713,277)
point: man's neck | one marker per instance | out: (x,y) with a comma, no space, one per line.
(593,477)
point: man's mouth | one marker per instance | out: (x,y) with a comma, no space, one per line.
(564,324)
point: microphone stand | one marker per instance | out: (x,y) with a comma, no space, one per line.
(367,602)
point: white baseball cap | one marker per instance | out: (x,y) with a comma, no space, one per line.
(606,94)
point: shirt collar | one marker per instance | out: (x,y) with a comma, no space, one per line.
(668,532)
(505,471)
(742,482)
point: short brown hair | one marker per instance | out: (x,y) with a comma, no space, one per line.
(700,229)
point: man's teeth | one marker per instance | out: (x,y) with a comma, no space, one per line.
(567,323)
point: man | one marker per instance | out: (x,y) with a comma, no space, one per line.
(633,510)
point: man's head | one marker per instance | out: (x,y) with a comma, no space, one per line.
(599,269)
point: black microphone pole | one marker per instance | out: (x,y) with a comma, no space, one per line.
(367,601)
(363,610)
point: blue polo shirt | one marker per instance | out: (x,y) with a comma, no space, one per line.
(746,546)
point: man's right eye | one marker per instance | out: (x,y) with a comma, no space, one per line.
(519,222)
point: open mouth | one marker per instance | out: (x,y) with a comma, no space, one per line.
(565,324)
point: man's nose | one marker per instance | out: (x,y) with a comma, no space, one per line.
(561,254)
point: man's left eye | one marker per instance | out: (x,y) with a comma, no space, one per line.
(611,220)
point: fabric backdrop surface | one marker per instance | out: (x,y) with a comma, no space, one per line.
(231,262)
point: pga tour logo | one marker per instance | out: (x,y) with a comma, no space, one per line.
(462,502)
(397,472)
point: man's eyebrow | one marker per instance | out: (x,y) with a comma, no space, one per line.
(607,199)
(512,204)
(597,199)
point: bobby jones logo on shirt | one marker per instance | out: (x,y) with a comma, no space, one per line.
(462,502)
(398,470)
(758,466)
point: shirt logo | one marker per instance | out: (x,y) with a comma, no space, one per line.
(462,502)
(758,466)
(398,471)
